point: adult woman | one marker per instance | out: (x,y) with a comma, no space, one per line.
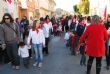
(95,36)
(47,27)
(38,41)
(10,37)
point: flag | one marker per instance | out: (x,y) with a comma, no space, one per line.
(9,1)
(105,13)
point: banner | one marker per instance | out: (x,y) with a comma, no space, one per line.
(9,1)
(24,4)
(105,13)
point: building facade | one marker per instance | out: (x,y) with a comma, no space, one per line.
(52,5)
(27,8)
(46,7)
(6,7)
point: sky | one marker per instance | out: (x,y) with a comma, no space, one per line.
(66,4)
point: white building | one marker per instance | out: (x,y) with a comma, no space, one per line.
(98,7)
(5,7)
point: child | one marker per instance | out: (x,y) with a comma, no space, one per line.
(67,36)
(82,52)
(24,54)
(59,30)
(72,38)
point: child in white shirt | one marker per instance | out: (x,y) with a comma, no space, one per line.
(67,36)
(24,54)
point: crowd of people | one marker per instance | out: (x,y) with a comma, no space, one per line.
(25,38)
(89,36)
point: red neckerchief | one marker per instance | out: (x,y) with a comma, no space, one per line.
(37,30)
(42,24)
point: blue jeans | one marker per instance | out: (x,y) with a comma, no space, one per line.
(67,43)
(38,52)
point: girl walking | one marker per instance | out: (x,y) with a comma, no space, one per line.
(38,41)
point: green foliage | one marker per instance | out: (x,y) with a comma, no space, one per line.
(76,10)
(86,7)
(83,7)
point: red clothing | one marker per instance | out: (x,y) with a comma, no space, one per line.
(42,24)
(62,20)
(37,30)
(95,36)
(82,23)
(72,40)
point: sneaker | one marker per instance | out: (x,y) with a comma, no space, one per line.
(31,57)
(13,67)
(39,65)
(17,67)
(107,67)
(35,64)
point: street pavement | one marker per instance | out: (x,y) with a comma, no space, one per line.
(59,61)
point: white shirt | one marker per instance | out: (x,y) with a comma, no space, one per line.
(67,35)
(46,29)
(50,25)
(69,22)
(87,24)
(23,52)
(76,26)
(37,38)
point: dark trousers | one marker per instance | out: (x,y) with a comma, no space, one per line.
(83,60)
(98,64)
(108,60)
(45,50)
(30,53)
(107,54)
(63,28)
(12,51)
(26,62)
(1,55)
(82,52)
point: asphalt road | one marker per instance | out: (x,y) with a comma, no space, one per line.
(59,61)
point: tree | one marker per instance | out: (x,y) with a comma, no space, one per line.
(86,7)
(76,10)
(83,7)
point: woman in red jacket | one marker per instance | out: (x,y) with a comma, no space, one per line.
(95,36)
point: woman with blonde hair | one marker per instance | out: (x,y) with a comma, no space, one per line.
(38,41)
(94,36)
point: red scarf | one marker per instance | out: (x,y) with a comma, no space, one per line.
(37,30)
(42,24)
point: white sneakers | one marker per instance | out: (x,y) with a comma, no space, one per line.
(39,64)
(35,64)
